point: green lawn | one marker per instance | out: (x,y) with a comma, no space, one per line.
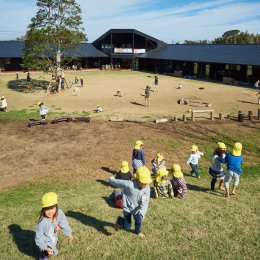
(205,225)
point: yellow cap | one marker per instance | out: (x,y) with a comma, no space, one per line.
(194,148)
(40,102)
(138,144)
(161,172)
(143,175)
(3,97)
(221,145)
(124,167)
(177,173)
(49,199)
(237,149)
(159,157)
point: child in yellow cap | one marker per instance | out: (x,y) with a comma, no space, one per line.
(216,171)
(138,158)
(51,220)
(194,159)
(136,196)
(123,174)
(178,182)
(233,161)
(158,162)
(162,186)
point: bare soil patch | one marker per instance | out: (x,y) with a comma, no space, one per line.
(76,152)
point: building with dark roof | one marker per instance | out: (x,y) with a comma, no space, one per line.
(133,49)
(211,61)
(11,55)
(124,45)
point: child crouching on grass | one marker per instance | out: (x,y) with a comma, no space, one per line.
(178,182)
(162,186)
(136,196)
(193,160)
(51,220)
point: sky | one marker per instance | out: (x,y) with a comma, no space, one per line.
(171,21)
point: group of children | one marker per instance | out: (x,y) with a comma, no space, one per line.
(134,194)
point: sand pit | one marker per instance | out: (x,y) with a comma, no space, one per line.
(101,86)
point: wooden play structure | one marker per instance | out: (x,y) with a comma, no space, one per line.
(56,120)
(192,102)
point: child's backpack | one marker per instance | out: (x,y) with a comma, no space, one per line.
(119,203)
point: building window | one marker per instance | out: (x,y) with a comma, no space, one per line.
(238,67)
(249,70)
(195,69)
(227,67)
(207,69)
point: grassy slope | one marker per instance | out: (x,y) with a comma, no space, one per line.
(202,226)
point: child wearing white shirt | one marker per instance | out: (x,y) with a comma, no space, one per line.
(194,159)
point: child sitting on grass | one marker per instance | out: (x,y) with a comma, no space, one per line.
(216,171)
(136,196)
(193,160)
(51,220)
(162,186)
(233,161)
(178,182)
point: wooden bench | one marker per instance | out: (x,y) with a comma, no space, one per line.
(211,112)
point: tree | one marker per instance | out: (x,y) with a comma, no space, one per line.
(21,38)
(231,37)
(52,34)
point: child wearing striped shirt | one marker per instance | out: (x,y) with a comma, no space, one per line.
(178,182)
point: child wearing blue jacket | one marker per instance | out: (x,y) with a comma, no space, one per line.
(51,220)
(233,161)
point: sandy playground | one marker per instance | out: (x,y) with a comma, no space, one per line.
(101,86)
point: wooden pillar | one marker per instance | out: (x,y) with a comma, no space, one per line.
(221,116)
(258,113)
(241,116)
(175,119)
(192,116)
(250,115)
(184,118)
(211,115)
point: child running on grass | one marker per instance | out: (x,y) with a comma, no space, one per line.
(233,161)
(51,220)
(136,196)
(216,171)
(178,182)
(193,160)
(162,186)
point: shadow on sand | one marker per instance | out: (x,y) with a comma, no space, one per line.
(135,103)
(22,85)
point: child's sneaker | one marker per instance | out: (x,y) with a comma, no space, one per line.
(117,226)
(141,235)
(198,177)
